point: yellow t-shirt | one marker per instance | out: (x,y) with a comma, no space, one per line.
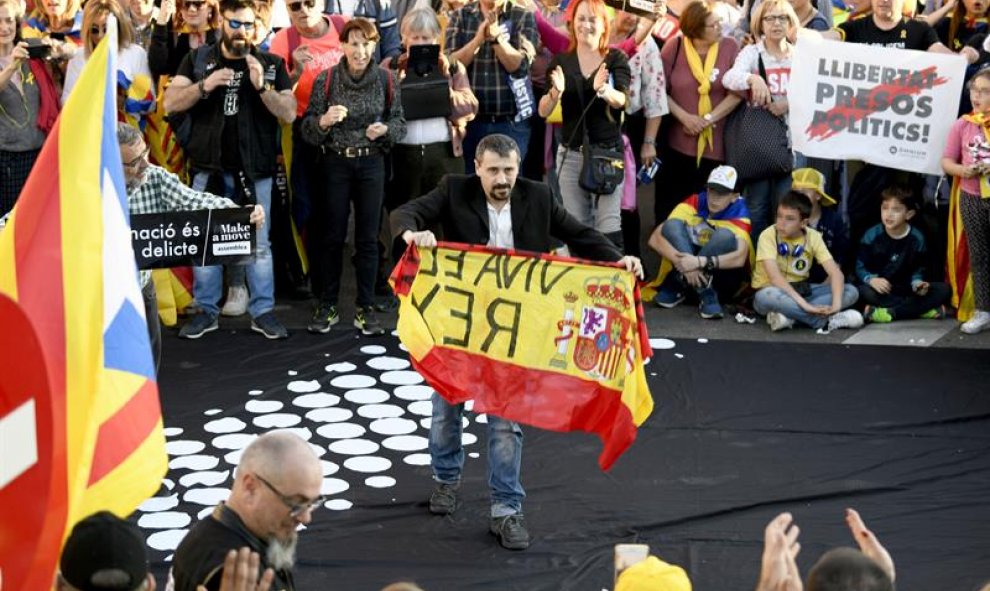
(794,268)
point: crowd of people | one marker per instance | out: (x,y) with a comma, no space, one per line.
(233,97)
(546,113)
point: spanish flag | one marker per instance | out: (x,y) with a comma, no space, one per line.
(957,259)
(84,431)
(552,342)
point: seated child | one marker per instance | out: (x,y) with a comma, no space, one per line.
(890,263)
(705,246)
(785,253)
(826,218)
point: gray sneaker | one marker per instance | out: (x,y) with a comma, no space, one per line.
(199,325)
(510,531)
(443,501)
(269,326)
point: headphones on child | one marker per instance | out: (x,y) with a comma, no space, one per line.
(785,250)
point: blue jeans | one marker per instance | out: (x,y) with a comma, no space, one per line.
(478,129)
(208,281)
(761,198)
(505,440)
(725,282)
(773,299)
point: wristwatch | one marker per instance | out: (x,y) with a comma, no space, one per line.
(266,87)
(708,118)
(202,89)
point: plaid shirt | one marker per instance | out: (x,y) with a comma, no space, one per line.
(163,191)
(487,75)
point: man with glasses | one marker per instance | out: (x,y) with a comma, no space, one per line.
(276,489)
(152,189)
(235,102)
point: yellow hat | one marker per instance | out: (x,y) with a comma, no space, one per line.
(653,574)
(809,178)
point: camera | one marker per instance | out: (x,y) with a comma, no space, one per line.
(37,50)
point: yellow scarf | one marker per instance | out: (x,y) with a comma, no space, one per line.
(982,120)
(703,74)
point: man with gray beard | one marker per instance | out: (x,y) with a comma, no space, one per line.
(276,488)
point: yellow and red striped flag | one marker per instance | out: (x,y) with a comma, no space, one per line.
(91,437)
(957,259)
(552,342)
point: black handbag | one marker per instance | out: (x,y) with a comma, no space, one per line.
(756,143)
(603,168)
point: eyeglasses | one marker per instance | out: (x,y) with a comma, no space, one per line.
(139,160)
(98,30)
(779,18)
(985,91)
(236,24)
(295,509)
(297,6)
(191,4)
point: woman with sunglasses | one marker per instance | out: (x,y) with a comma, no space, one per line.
(135,95)
(354,118)
(181,26)
(774,23)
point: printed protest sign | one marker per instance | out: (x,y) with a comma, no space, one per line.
(193,238)
(891,107)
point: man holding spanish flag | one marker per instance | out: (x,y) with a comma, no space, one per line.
(495,209)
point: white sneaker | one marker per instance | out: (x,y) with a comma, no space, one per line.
(778,321)
(978,323)
(237,301)
(845,319)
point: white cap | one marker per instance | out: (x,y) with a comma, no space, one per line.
(723,178)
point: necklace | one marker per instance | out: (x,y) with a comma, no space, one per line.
(17,124)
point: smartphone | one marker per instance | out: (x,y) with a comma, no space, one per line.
(627,555)
(36,49)
(57,36)
(648,171)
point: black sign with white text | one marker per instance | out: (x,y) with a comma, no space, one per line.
(193,238)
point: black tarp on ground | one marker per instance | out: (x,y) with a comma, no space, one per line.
(742,431)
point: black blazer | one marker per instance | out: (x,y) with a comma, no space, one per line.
(459,205)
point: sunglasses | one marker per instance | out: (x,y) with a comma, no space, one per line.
(98,30)
(193,4)
(236,24)
(297,6)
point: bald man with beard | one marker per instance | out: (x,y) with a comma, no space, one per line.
(276,488)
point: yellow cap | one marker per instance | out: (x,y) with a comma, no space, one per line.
(809,178)
(653,574)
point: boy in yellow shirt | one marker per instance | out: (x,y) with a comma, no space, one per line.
(785,253)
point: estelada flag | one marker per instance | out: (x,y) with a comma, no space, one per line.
(552,342)
(86,434)
(957,259)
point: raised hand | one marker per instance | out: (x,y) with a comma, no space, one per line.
(868,542)
(779,570)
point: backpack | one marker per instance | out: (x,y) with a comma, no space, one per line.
(181,123)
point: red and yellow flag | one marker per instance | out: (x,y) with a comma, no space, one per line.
(87,434)
(957,259)
(547,341)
